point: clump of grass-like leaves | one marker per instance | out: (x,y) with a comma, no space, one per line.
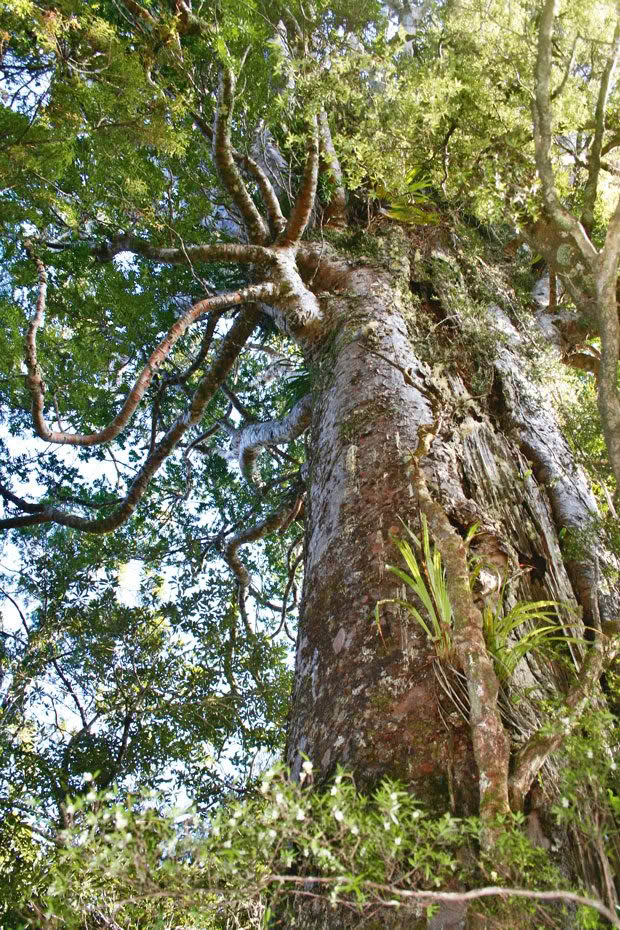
(540,622)
(427,580)
(508,646)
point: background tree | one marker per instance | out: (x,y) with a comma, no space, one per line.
(162,171)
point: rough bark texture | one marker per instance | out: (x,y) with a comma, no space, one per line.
(371,700)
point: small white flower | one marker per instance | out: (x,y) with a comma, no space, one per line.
(307,766)
(494,875)
(334,791)
(121,820)
(237,814)
(264,787)
(279,798)
(87,776)
(216,831)
(271,834)
(393,796)
(226,844)
(355,830)
(301,814)
(565,802)
(613,766)
(387,825)
(416,814)
(338,815)
(398,840)
(338,779)
(590,754)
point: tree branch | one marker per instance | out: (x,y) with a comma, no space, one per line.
(219,302)
(120,755)
(188,255)
(71,691)
(269,525)
(277,220)
(567,70)
(249,440)
(225,162)
(591,188)
(438,896)
(542,118)
(231,345)
(20,502)
(304,202)
(534,753)
(609,331)
(336,212)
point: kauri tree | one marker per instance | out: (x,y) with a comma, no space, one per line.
(268,274)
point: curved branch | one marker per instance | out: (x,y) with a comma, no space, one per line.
(438,896)
(225,162)
(232,344)
(249,440)
(214,252)
(533,755)
(269,525)
(219,302)
(304,203)
(20,502)
(609,331)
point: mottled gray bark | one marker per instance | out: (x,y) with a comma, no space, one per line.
(354,699)
(371,700)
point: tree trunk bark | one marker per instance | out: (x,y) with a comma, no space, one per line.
(391,380)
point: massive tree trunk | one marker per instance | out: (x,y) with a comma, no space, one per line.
(411,378)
